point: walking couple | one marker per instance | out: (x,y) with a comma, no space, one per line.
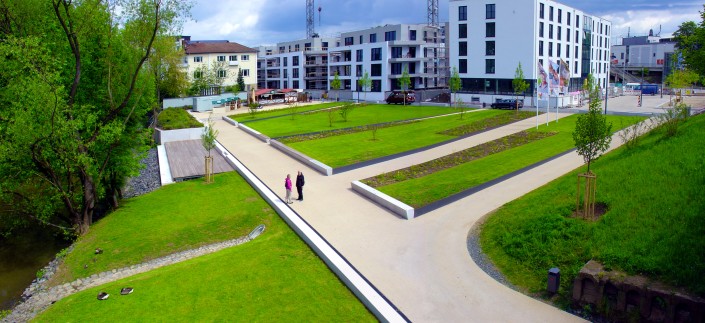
(299,187)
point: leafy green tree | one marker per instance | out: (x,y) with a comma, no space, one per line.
(335,85)
(592,134)
(365,83)
(519,84)
(690,39)
(75,95)
(208,140)
(404,82)
(455,84)
(240,81)
(206,77)
(171,81)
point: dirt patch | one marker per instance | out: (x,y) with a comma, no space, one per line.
(601,209)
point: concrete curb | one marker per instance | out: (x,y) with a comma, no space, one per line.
(308,161)
(253,132)
(379,305)
(164,169)
(230,121)
(384,200)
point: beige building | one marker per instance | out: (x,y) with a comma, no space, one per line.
(226,59)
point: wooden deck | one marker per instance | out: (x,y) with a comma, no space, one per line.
(186,159)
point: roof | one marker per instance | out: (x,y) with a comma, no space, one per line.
(206,47)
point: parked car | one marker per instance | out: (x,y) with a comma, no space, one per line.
(648,89)
(397,97)
(507,104)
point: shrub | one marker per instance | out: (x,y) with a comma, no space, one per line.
(170,119)
(670,119)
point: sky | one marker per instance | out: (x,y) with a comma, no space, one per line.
(266,22)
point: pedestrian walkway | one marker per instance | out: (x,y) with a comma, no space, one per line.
(422,265)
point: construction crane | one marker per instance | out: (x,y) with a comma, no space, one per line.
(433,13)
(310,27)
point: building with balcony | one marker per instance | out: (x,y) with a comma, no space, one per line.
(301,64)
(490,38)
(226,59)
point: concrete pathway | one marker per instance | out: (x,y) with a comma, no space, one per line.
(423,265)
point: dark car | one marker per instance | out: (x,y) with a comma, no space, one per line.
(397,97)
(507,104)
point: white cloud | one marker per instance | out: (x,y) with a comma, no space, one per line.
(639,22)
(232,20)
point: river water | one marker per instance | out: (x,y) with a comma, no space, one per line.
(21,257)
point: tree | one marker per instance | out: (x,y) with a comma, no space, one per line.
(690,39)
(455,84)
(171,81)
(404,82)
(208,138)
(206,77)
(335,84)
(75,95)
(365,83)
(592,134)
(519,84)
(240,81)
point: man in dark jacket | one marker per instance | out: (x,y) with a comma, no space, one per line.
(300,185)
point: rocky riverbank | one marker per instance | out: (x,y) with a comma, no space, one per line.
(148,180)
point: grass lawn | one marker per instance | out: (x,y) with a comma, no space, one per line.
(275,277)
(246,117)
(654,225)
(422,191)
(356,147)
(319,121)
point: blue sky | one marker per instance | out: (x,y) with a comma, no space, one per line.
(260,22)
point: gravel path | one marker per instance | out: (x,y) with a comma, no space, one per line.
(38,297)
(148,180)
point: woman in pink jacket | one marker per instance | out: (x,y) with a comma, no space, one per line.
(287,185)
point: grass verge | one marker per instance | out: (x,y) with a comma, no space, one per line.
(421,191)
(275,277)
(654,224)
(247,117)
(175,118)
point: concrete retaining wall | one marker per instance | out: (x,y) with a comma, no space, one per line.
(230,121)
(164,136)
(177,102)
(385,200)
(379,305)
(308,161)
(254,133)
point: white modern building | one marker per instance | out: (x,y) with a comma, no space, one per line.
(643,52)
(225,58)
(301,64)
(490,38)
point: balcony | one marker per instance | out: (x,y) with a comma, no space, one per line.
(233,63)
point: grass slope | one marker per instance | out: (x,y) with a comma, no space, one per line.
(352,148)
(360,115)
(275,277)
(655,223)
(422,191)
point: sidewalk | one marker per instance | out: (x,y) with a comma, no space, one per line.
(423,265)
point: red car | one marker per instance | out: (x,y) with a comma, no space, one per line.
(397,97)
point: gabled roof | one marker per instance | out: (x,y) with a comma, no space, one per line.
(207,47)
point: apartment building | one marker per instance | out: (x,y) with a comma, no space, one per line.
(301,64)
(490,38)
(384,53)
(223,57)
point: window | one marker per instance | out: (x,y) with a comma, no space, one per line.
(286,74)
(348,41)
(560,13)
(489,29)
(550,13)
(358,55)
(540,29)
(577,21)
(576,36)
(567,18)
(390,35)
(358,70)
(463,31)
(489,11)
(307,46)
(232,58)
(541,9)
(621,56)
(396,68)
(296,47)
(197,59)
(412,68)
(396,52)
(373,38)
(197,74)
(360,39)
(295,73)
(463,48)
(376,54)
(376,70)
(245,72)
(462,66)
(550,49)
(567,34)
(576,66)
(559,32)
(550,31)
(576,51)
(412,34)
(376,86)
(295,84)
(567,51)
(222,73)
(540,47)
(558,50)
(295,61)
(489,66)
(324,45)
(462,13)
(489,48)
(286,61)
(245,57)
